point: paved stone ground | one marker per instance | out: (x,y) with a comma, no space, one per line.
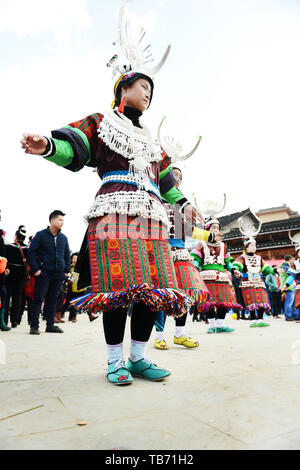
(236,391)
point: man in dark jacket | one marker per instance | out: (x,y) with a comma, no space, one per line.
(49,260)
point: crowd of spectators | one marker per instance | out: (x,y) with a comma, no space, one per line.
(38,276)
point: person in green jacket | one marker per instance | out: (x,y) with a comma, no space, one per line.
(272,281)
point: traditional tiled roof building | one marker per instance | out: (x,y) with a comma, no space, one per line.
(273,240)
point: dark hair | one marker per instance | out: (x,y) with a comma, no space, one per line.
(55,214)
(176,168)
(21,233)
(288,257)
(128,82)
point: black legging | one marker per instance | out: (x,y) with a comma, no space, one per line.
(260,314)
(142,321)
(220,314)
(3,294)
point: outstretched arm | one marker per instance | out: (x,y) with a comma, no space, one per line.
(71,147)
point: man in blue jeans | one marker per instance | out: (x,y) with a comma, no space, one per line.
(288,285)
(49,260)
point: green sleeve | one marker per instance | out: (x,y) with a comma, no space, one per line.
(64,153)
(76,145)
(173,196)
(197,260)
(238,266)
(266,269)
(229,263)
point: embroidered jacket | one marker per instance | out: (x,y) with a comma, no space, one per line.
(135,176)
(252,267)
(212,256)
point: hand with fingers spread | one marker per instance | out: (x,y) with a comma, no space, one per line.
(34,144)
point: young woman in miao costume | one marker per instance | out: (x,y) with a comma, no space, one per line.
(188,277)
(213,260)
(252,267)
(129,254)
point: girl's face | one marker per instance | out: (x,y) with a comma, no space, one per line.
(251,248)
(214,228)
(178,176)
(137,95)
(74,259)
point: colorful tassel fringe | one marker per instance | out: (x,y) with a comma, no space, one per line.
(172,302)
(252,307)
(227,305)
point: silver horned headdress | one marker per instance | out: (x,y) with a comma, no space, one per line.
(137,54)
(210,208)
(248,229)
(172,147)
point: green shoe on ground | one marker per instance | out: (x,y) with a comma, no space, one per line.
(253,325)
(210,331)
(224,329)
(118,374)
(3,325)
(262,324)
(145,369)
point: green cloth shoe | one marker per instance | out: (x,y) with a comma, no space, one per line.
(254,325)
(118,374)
(147,370)
(3,326)
(262,324)
(210,331)
(224,329)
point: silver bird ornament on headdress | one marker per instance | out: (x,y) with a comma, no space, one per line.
(172,147)
(131,39)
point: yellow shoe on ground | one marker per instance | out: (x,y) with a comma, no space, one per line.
(160,344)
(186,341)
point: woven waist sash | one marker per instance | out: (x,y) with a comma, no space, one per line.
(126,177)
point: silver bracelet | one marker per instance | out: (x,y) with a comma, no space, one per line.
(187,203)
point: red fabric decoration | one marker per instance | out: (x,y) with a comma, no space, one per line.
(122,105)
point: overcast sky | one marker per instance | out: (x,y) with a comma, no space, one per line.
(232,76)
